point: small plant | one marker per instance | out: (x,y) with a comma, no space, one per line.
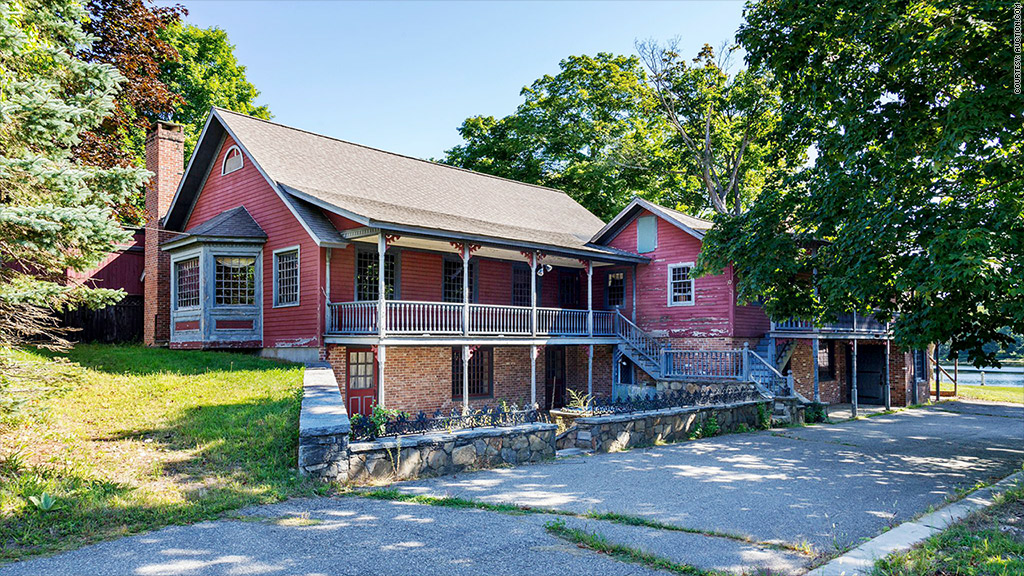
(44,501)
(764,419)
(395,457)
(707,428)
(815,412)
(579,401)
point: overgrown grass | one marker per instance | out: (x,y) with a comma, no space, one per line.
(988,543)
(992,393)
(598,543)
(126,439)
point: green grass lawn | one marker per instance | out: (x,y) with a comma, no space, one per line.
(993,393)
(988,543)
(126,438)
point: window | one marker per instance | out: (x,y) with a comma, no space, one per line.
(187,285)
(286,277)
(366,275)
(680,285)
(826,361)
(481,372)
(232,160)
(521,286)
(569,289)
(452,287)
(626,371)
(360,370)
(615,295)
(646,234)
(920,365)
(235,281)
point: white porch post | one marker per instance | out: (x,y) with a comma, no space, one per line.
(632,309)
(533,295)
(887,390)
(590,370)
(465,379)
(814,369)
(381,357)
(853,387)
(327,290)
(465,294)
(382,317)
(533,376)
(590,299)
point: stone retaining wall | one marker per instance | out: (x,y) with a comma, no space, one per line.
(622,431)
(325,452)
(389,459)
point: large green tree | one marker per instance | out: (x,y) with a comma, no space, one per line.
(914,205)
(580,131)
(55,211)
(206,74)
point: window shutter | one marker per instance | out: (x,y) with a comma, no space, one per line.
(646,234)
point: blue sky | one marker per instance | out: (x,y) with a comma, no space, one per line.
(402,76)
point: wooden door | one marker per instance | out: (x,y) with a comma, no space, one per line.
(361,388)
(554,376)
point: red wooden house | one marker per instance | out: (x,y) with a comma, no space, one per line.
(427,286)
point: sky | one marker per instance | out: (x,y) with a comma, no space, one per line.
(403,75)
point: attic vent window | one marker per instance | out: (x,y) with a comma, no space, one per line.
(232,160)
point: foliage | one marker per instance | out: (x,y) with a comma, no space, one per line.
(130,439)
(1007,351)
(914,206)
(205,75)
(725,143)
(128,38)
(600,544)
(764,417)
(44,502)
(55,211)
(579,400)
(707,428)
(815,412)
(578,131)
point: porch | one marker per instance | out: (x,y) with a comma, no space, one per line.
(851,325)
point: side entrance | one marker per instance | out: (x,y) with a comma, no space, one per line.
(361,387)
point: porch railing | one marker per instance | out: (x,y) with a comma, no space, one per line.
(714,364)
(844,323)
(352,317)
(407,317)
(489,319)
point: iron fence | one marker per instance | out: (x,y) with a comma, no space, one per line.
(400,424)
(603,405)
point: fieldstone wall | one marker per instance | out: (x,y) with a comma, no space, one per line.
(323,426)
(745,390)
(390,459)
(622,431)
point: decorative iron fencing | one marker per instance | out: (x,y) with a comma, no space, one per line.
(380,425)
(707,396)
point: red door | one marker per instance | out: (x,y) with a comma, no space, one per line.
(361,388)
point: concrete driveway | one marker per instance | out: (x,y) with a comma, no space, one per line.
(828,486)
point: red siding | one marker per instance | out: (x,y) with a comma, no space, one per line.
(292,326)
(421,275)
(121,268)
(712,313)
(749,321)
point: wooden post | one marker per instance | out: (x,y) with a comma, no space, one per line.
(746,362)
(465,290)
(382,314)
(956,376)
(327,291)
(381,358)
(633,308)
(814,368)
(533,376)
(590,370)
(533,295)
(590,300)
(465,379)
(888,384)
(938,376)
(853,387)
(772,352)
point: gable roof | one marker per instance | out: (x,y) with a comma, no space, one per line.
(694,226)
(235,223)
(390,191)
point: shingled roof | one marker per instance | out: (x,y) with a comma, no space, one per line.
(387,190)
(690,224)
(236,223)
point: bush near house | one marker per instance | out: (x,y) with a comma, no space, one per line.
(106,440)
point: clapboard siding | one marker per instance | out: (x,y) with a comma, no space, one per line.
(291,326)
(713,311)
(422,275)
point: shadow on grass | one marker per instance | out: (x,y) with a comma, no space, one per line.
(138,360)
(232,455)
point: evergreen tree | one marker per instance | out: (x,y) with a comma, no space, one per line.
(55,212)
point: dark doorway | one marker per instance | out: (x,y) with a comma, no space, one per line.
(554,376)
(870,373)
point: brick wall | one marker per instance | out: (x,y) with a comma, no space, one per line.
(165,150)
(801,364)
(576,369)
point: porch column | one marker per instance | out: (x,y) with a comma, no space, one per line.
(533,375)
(465,379)
(814,369)
(633,308)
(327,291)
(853,387)
(590,300)
(772,352)
(382,316)
(888,384)
(590,370)
(381,353)
(533,299)
(465,297)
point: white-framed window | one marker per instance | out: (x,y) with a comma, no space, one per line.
(286,277)
(235,278)
(232,160)
(680,285)
(186,283)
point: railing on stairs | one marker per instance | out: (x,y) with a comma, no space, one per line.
(763,373)
(638,340)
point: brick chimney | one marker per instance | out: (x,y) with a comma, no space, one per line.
(165,158)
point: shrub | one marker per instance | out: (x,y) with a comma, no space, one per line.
(815,412)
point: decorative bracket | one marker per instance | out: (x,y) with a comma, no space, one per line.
(390,239)
(586,264)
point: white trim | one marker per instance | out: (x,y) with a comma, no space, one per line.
(224,163)
(692,281)
(181,183)
(298,280)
